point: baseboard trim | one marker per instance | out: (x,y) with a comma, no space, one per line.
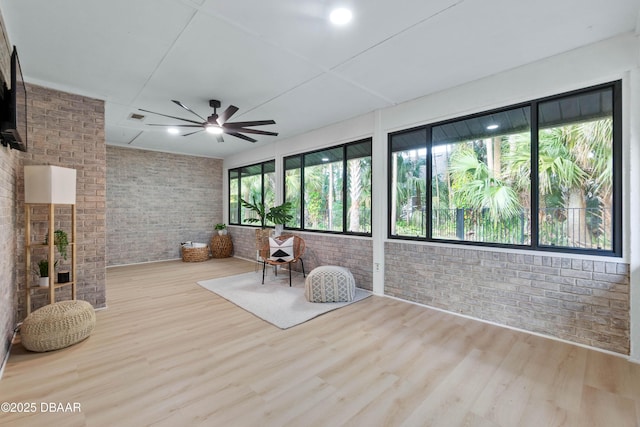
(513,328)
(8,346)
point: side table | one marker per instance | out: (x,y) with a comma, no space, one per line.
(221,246)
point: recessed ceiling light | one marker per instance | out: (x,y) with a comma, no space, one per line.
(214,129)
(340,16)
(173,131)
(492,127)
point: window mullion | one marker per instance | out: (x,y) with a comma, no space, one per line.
(535,177)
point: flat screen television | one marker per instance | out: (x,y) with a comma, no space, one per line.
(13,123)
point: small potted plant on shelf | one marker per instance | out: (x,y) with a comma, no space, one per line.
(43,272)
(221,228)
(61,241)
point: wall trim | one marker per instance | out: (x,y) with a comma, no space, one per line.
(537,334)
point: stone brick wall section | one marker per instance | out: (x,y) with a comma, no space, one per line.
(68,130)
(9,165)
(354,253)
(156,200)
(579,300)
(9,161)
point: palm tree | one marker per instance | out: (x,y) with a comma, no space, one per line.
(477,187)
(575,166)
(574,170)
(359,173)
(409,192)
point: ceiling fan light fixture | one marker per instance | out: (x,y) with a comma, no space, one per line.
(216,130)
(340,16)
(173,131)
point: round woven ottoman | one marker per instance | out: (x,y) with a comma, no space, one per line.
(330,283)
(57,326)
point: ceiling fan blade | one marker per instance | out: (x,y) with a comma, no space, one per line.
(256,131)
(226,115)
(171,117)
(191,133)
(188,109)
(182,126)
(236,125)
(239,135)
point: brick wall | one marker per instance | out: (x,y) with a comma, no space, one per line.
(157,200)
(355,253)
(578,300)
(68,130)
(9,163)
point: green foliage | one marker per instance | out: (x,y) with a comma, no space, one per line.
(474,186)
(278,214)
(258,208)
(43,267)
(61,240)
(220,226)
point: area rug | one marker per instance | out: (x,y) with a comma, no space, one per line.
(274,302)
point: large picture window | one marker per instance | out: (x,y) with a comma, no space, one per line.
(544,175)
(255,184)
(331,189)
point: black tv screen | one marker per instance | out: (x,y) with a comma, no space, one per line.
(13,126)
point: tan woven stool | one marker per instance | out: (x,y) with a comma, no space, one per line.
(57,326)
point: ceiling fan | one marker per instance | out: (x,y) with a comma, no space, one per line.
(218,124)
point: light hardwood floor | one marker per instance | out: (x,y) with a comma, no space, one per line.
(169,353)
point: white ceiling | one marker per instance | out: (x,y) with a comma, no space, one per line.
(283,60)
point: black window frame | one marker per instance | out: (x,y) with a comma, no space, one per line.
(617,178)
(345,158)
(263,166)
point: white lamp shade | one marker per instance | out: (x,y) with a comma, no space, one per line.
(49,184)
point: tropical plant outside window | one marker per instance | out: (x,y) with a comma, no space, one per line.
(335,185)
(480,176)
(254,182)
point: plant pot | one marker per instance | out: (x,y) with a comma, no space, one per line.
(279,229)
(44,282)
(222,232)
(63,277)
(262,239)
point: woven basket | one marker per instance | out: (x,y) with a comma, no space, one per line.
(58,325)
(221,246)
(195,252)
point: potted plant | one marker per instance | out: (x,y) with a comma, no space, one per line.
(221,228)
(258,208)
(280,215)
(61,241)
(43,272)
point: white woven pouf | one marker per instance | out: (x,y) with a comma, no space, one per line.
(330,283)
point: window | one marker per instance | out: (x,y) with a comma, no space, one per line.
(335,185)
(250,183)
(543,175)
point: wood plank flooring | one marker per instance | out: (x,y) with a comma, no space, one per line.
(167,352)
